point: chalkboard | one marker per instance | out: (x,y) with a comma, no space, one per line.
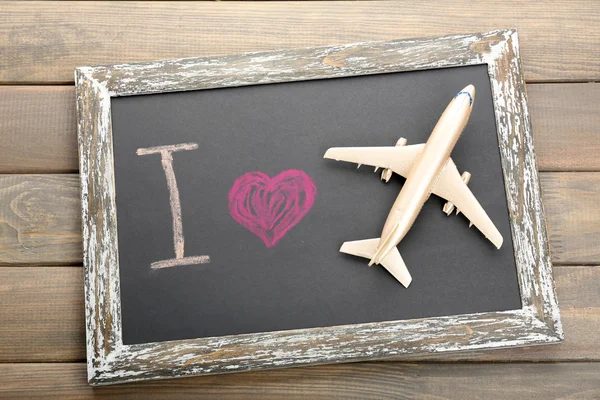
(237,281)
(211,222)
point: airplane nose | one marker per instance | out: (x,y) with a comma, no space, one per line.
(470,89)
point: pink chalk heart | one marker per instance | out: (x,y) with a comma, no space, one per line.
(270,207)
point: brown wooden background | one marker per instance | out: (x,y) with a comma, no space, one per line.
(42,350)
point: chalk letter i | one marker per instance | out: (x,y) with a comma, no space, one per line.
(166,155)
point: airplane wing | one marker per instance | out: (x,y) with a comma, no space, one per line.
(397,158)
(451,187)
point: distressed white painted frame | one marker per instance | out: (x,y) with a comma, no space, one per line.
(109,361)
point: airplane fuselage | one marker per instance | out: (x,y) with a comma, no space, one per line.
(425,172)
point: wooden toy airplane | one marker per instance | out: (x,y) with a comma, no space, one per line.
(428,169)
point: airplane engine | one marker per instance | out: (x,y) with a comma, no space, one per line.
(449,207)
(386,174)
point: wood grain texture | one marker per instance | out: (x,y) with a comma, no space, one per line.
(42,314)
(566,126)
(348,381)
(43,318)
(44,41)
(569,144)
(578,210)
(40,220)
(38,125)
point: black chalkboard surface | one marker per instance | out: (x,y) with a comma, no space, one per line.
(297,278)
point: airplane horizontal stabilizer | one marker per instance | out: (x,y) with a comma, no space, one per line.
(393,261)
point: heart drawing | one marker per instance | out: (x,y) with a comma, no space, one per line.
(270,207)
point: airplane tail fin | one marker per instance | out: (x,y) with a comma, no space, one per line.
(393,261)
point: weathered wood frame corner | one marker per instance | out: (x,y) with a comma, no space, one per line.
(109,361)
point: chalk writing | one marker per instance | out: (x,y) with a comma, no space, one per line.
(166,155)
(270,207)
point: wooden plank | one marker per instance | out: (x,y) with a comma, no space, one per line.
(572,216)
(565,120)
(39,128)
(364,381)
(44,41)
(42,314)
(43,318)
(40,218)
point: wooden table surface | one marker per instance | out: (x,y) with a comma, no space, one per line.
(41,279)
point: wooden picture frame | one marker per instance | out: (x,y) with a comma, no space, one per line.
(109,361)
